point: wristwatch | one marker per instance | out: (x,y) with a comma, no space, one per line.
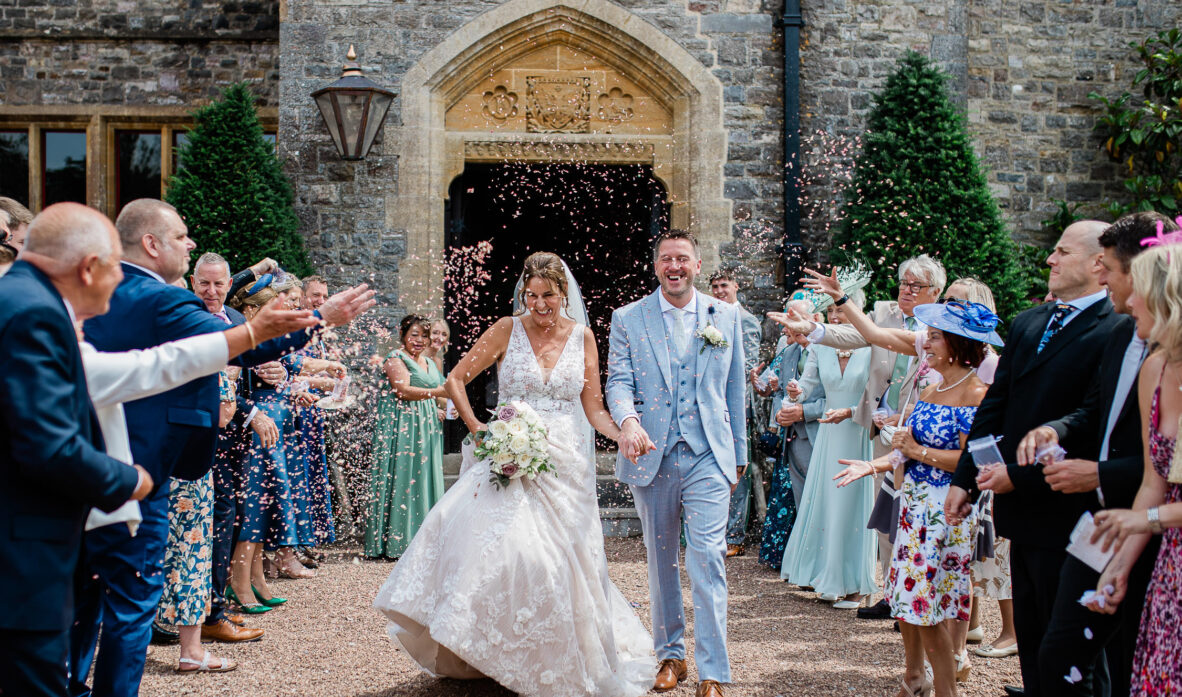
(841,301)
(1154,516)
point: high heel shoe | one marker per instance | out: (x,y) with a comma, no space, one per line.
(924,689)
(249,608)
(269,602)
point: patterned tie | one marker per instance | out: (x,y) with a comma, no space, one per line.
(900,371)
(1062,312)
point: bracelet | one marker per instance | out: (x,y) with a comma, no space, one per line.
(250,333)
(923,456)
(1153,515)
(841,301)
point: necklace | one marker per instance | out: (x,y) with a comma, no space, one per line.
(847,354)
(966,377)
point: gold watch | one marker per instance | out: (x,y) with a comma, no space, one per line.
(1154,517)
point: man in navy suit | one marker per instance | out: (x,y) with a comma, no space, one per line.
(173,434)
(53,467)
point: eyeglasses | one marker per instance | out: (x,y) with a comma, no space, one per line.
(914,286)
(944,300)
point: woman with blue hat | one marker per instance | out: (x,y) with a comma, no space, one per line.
(929,586)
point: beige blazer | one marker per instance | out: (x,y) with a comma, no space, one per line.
(886,313)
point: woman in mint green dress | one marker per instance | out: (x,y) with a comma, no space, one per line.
(406,478)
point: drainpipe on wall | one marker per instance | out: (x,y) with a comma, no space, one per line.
(791,247)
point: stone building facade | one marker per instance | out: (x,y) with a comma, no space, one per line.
(701,83)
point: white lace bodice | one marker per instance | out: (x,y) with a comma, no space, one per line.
(520,377)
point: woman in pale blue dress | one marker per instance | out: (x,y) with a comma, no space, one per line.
(830,549)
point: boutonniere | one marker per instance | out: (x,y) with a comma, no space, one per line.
(710,335)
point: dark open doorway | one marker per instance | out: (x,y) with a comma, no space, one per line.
(600,218)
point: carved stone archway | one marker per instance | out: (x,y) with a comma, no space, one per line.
(546,80)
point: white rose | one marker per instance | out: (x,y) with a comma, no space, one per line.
(519,444)
(503,458)
(498,429)
(531,418)
(516,427)
(711,334)
(524,460)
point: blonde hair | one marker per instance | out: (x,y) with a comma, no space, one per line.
(975,291)
(1157,278)
(546,266)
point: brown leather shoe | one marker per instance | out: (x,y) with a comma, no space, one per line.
(237,618)
(226,631)
(709,688)
(735,551)
(669,672)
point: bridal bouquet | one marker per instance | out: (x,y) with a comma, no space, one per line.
(514,443)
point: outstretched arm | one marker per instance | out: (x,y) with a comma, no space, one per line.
(489,348)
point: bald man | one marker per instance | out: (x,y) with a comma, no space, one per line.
(1051,355)
(53,467)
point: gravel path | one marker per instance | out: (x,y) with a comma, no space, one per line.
(328,641)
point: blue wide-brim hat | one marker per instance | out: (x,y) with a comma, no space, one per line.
(970,320)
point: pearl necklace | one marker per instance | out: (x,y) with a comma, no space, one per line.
(966,377)
(847,354)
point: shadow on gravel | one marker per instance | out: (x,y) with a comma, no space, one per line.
(426,686)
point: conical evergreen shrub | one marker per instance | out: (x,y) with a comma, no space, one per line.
(918,188)
(231,190)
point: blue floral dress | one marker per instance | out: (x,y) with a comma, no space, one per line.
(929,580)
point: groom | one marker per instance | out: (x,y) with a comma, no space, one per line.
(676,387)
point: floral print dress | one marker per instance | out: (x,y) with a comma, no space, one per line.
(929,580)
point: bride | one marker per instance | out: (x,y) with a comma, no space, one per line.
(512,584)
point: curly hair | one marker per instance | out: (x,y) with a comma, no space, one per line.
(546,266)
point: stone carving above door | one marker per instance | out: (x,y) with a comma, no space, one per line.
(557,104)
(615,106)
(500,103)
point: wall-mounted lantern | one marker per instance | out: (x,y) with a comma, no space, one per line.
(354,108)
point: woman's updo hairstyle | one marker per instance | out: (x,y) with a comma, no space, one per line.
(546,266)
(414,321)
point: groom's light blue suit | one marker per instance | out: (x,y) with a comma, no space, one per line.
(692,407)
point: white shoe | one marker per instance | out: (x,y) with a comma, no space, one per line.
(847,604)
(976,636)
(826,597)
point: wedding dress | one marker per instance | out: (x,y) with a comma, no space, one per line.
(512,583)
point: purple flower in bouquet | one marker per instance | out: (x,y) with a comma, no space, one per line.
(509,470)
(506,412)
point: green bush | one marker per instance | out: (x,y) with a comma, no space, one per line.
(917,187)
(1145,135)
(232,191)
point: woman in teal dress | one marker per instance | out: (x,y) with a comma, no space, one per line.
(830,549)
(406,478)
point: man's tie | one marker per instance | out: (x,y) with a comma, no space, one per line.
(902,362)
(680,338)
(1062,312)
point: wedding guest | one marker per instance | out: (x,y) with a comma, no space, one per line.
(1157,509)
(1044,372)
(796,423)
(406,477)
(14,226)
(929,586)
(310,421)
(891,381)
(440,337)
(1110,413)
(52,459)
(830,549)
(724,285)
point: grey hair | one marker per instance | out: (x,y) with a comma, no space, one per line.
(927,268)
(858,298)
(211,258)
(804,306)
(976,291)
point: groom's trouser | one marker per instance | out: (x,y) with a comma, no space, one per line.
(695,485)
(739,511)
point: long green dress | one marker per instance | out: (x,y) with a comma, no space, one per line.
(406,477)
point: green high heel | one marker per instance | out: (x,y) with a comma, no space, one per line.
(250,609)
(272,602)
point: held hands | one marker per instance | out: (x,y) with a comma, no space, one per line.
(957,505)
(854,470)
(346,305)
(634,441)
(266,430)
(1116,525)
(791,414)
(1072,476)
(143,485)
(1034,441)
(836,416)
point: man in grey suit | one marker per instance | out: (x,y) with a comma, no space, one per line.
(799,419)
(676,387)
(892,375)
(725,287)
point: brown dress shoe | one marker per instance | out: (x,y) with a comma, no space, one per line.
(237,618)
(669,672)
(734,551)
(709,688)
(227,632)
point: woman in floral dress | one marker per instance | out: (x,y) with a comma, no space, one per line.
(1157,510)
(929,587)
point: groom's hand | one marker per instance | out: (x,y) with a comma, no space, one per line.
(634,441)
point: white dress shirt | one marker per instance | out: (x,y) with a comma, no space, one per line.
(688,316)
(150,272)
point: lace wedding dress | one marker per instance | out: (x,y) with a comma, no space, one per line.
(512,583)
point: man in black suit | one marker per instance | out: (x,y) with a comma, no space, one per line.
(53,466)
(1051,353)
(1110,413)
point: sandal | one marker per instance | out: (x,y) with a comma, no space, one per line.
(962,666)
(988,651)
(924,689)
(300,572)
(224,665)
